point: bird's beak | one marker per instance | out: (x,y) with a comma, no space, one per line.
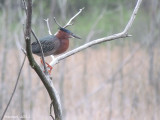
(74,36)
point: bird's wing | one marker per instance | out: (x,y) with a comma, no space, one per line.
(49,43)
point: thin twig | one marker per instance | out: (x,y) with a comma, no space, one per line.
(123,34)
(45,68)
(57,22)
(133,16)
(24,51)
(69,22)
(14,88)
(49,30)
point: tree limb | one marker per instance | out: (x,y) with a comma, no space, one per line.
(122,34)
(57,22)
(44,78)
(69,22)
(49,30)
(44,64)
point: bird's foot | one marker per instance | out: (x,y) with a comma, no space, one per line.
(48,66)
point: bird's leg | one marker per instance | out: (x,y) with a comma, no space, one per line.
(50,67)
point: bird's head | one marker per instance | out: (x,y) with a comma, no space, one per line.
(64,33)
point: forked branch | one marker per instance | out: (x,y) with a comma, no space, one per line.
(70,21)
(122,34)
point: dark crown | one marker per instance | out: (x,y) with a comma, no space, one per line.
(65,30)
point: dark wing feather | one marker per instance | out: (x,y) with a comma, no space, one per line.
(49,45)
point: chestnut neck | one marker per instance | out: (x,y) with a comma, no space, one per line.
(61,35)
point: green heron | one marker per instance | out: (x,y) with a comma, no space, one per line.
(53,44)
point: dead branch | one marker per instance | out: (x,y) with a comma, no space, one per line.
(122,34)
(49,30)
(69,22)
(44,78)
(57,22)
(44,64)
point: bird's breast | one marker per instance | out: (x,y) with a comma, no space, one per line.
(64,44)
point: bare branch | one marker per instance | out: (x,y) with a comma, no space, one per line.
(133,16)
(49,30)
(24,51)
(94,42)
(14,88)
(44,64)
(44,78)
(123,34)
(69,22)
(57,22)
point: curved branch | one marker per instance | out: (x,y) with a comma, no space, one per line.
(45,68)
(98,41)
(57,22)
(133,16)
(44,78)
(94,42)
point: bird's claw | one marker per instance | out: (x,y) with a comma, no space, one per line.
(48,67)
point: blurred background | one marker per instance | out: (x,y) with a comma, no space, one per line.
(117,80)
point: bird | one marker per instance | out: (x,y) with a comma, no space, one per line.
(53,44)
